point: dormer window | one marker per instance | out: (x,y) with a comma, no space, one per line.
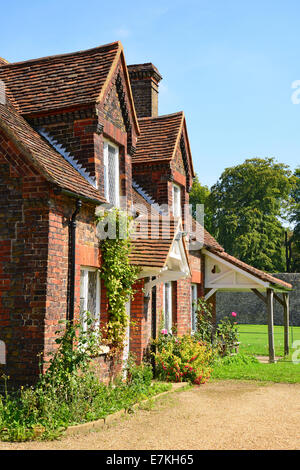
(176,201)
(111,173)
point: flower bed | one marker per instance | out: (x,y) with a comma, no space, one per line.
(182,359)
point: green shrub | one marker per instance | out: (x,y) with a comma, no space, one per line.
(205,330)
(138,374)
(238,359)
(227,334)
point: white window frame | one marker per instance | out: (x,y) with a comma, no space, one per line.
(194,297)
(107,143)
(86,270)
(2,352)
(126,349)
(167,287)
(176,203)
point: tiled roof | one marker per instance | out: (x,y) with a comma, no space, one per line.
(158,137)
(3,61)
(60,81)
(152,250)
(143,206)
(199,232)
(208,240)
(249,269)
(49,162)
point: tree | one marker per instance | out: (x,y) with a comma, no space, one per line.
(199,195)
(246,205)
(295,219)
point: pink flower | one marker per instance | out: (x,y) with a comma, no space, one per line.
(233,314)
(164,332)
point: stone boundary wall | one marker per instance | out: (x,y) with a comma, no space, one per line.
(251,309)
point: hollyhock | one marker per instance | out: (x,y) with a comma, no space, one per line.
(233,314)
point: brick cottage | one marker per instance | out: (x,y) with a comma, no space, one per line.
(78,131)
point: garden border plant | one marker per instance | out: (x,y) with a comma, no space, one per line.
(70,392)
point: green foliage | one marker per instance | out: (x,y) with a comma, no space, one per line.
(223,337)
(238,359)
(295,219)
(138,373)
(245,367)
(199,195)
(227,334)
(118,274)
(246,204)
(183,358)
(205,329)
(70,393)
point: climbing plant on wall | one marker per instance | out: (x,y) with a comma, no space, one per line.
(114,230)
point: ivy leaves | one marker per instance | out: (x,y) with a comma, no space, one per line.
(117,273)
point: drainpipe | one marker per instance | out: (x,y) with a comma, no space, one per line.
(72,228)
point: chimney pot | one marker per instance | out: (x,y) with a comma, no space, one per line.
(144,80)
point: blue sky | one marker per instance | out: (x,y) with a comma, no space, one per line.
(229,64)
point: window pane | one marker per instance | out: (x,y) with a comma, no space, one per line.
(105,157)
(194,306)
(89,294)
(92,292)
(82,291)
(176,202)
(112,174)
(168,307)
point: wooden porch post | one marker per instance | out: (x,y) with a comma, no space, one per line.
(286,309)
(270,324)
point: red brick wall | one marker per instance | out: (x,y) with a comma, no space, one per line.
(87,254)
(23,262)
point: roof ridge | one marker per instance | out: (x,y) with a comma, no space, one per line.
(57,56)
(178,113)
(3,62)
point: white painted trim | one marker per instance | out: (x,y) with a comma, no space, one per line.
(216,279)
(2,352)
(193,299)
(237,269)
(170,323)
(127,338)
(105,169)
(210,293)
(166,276)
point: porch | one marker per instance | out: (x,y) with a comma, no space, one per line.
(226,273)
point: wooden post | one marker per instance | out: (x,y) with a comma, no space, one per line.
(270,325)
(286,309)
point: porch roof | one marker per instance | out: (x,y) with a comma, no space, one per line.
(158,247)
(225,272)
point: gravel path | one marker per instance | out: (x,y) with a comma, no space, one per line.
(218,415)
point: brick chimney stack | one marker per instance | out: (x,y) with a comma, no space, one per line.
(144,80)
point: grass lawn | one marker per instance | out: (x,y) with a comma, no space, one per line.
(254,339)
(254,342)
